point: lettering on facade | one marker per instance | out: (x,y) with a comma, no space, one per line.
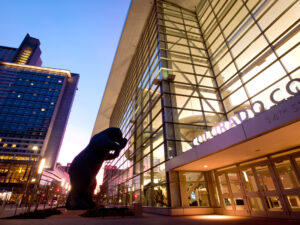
(256,108)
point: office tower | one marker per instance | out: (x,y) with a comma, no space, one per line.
(35,103)
(206,92)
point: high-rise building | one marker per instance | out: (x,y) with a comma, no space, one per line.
(35,103)
(207,93)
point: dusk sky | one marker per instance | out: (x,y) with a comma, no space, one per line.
(78,35)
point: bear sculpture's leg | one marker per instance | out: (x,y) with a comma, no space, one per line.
(80,197)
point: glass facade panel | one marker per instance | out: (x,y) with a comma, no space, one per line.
(198,196)
(194,189)
(265,178)
(297,159)
(249,180)
(26,108)
(239,204)
(227,203)
(256,204)
(287,174)
(223,184)
(294,201)
(234,182)
(193,176)
(273,203)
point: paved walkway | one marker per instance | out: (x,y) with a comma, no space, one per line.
(10,210)
(73,218)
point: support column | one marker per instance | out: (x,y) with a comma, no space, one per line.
(174,193)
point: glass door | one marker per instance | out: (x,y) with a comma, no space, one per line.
(224,193)
(232,193)
(254,197)
(238,194)
(287,171)
(272,197)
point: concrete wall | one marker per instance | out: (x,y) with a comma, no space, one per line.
(54,138)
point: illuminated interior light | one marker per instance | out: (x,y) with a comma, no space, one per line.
(48,77)
(205,166)
(5,145)
(0,139)
(35,148)
(59,81)
(62,182)
(31,84)
(52,103)
(19,96)
(33,180)
(155,181)
(246,177)
(13,145)
(43,109)
(41,166)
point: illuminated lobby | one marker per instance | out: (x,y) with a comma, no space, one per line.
(207,93)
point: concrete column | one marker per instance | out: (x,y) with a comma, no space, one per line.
(174,193)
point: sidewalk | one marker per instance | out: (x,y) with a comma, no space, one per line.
(73,218)
(11,210)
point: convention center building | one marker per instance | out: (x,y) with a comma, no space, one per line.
(207,93)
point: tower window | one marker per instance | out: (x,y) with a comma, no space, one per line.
(24,55)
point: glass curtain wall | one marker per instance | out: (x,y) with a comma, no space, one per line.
(216,60)
(195,101)
(139,174)
(253,47)
(27,102)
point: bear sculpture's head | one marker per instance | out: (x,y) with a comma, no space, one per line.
(107,140)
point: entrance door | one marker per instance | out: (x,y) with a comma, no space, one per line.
(287,172)
(266,187)
(253,194)
(233,195)
(274,203)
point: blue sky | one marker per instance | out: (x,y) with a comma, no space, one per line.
(78,35)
